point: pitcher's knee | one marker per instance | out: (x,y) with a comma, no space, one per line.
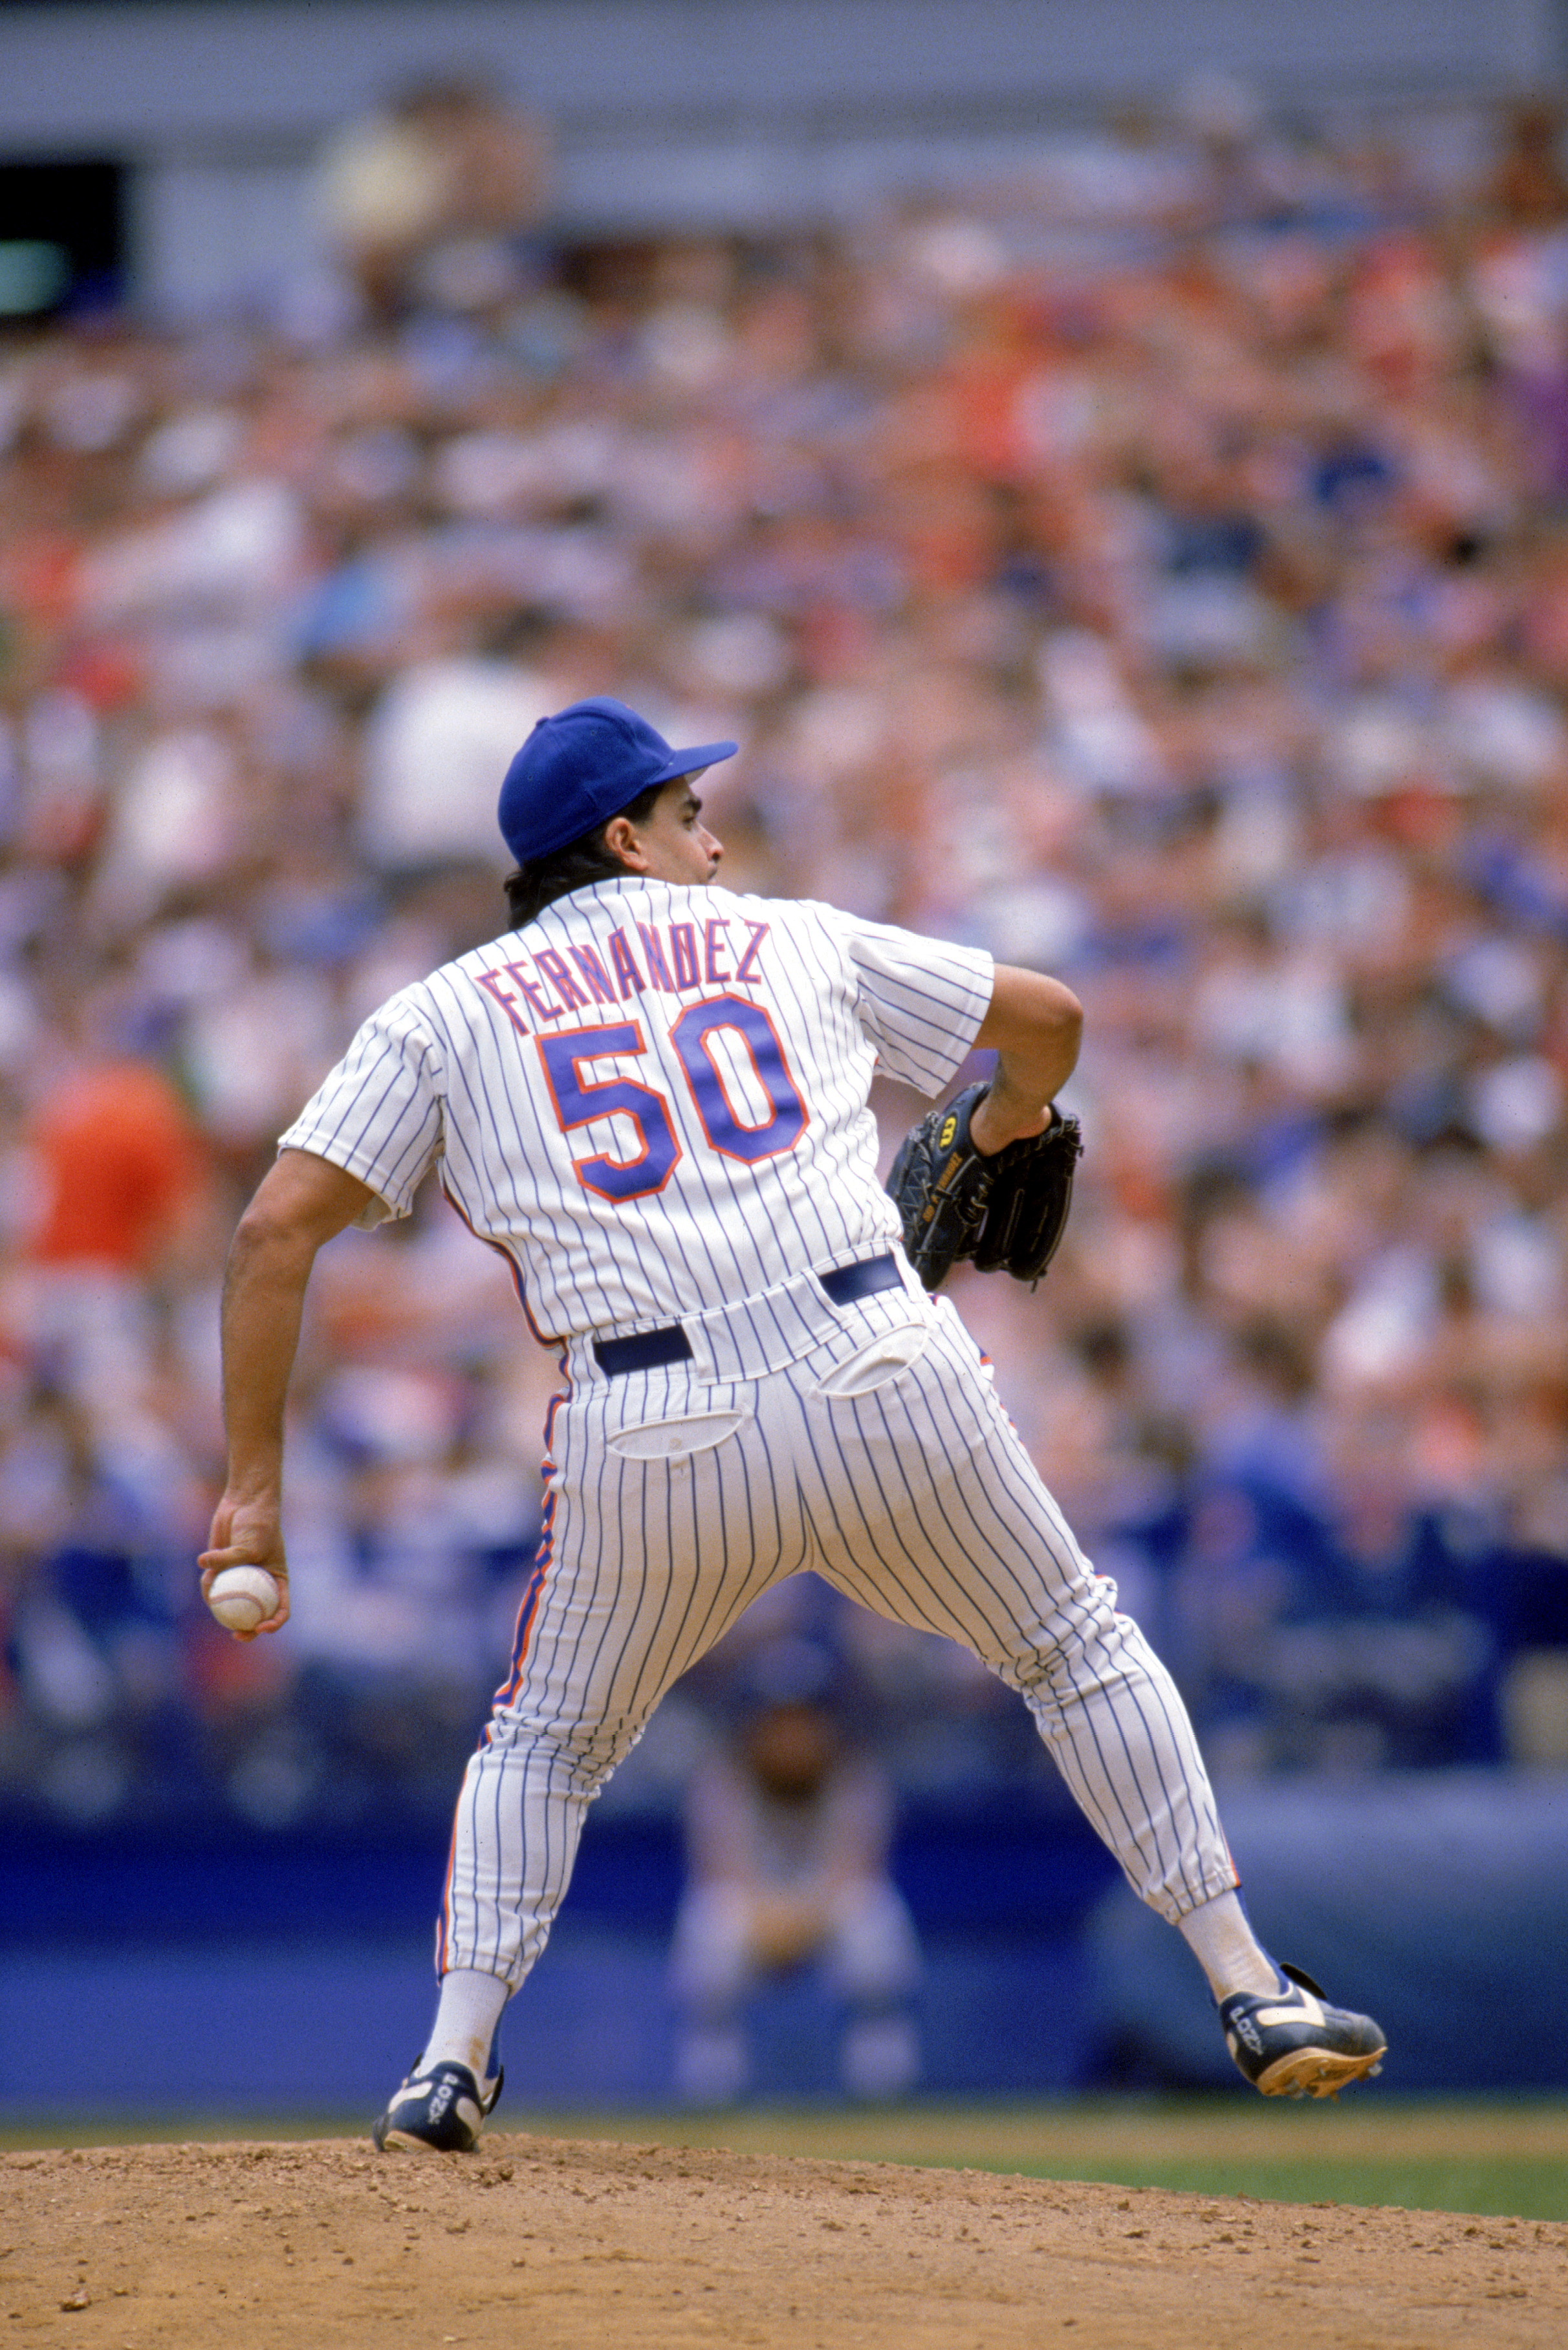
(585,1753)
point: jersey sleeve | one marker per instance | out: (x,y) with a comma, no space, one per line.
(380,1113)
(920,1001)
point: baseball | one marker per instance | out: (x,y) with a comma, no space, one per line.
(241,1597)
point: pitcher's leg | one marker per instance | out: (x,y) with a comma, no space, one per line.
(645,1563)
(929,1511)
(934,1514)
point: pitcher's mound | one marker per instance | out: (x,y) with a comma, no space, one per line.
(554,2245)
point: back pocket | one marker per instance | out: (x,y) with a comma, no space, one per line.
(673,1440)
(888,1354)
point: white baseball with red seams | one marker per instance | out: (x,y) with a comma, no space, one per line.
(241,1598)
(653,1100)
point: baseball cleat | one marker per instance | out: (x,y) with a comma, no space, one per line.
(439,2112)
(1294,2044)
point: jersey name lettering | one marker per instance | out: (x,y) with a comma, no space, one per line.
(748,971)
(554,966)
(651,1052)
(683,939)
(678,957)
(587,962)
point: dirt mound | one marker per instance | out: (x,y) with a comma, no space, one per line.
(561,2244)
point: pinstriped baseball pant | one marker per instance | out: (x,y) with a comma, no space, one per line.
(675,1498)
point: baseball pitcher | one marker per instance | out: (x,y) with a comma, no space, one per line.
(650,1096)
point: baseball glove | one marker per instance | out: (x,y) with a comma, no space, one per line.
(1007,1211)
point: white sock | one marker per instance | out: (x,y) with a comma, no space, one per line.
(466,2017)
(1222,1941)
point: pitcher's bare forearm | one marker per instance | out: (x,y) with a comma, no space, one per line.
(263,1302)
(1034,1025)
(302,1202)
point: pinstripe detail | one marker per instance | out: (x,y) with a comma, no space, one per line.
(443,1915)
(449,1070)
(537,1574)
(917,1500)
(504,1254)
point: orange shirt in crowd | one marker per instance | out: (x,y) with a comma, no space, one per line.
(121,1158)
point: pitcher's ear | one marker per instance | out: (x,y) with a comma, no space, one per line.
(620,837)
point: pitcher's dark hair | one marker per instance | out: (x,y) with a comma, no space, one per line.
(542,879)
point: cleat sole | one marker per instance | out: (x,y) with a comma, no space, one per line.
(1317,2072)
(406,2142)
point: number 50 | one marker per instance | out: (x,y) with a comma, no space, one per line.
(579,1101)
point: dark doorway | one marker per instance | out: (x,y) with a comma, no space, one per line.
(62,239)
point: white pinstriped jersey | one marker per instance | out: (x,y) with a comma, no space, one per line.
(653,1098)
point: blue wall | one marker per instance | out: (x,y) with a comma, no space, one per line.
(281,1977)
(329,2027)
(1437,1903)
(198,1973)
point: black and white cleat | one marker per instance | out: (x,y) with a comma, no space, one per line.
(439,2112)
(1294,2044)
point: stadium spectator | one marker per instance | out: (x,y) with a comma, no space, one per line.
(1159,571)
(787,1831)
(428,201)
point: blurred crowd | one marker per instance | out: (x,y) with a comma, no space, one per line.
(1157,573)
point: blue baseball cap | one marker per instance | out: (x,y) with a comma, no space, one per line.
(583,766)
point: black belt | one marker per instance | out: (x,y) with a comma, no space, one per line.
(847,1284)
(647,1349)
